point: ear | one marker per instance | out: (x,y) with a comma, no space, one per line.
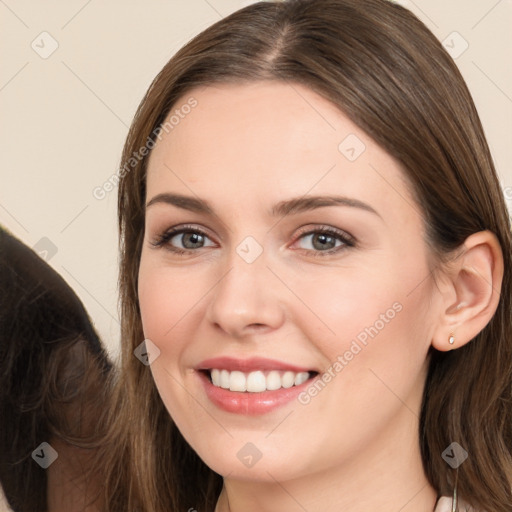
(470,291)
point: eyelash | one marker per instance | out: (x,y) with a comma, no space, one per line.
(346,239)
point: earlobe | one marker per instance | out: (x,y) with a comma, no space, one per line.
(472,292)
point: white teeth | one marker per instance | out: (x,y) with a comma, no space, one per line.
(237,381)
(257,381)
(288,379)
(273,380)
(301,378)
(215,375)
(224,379)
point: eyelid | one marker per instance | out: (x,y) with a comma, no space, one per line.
(346,239)
(321,228)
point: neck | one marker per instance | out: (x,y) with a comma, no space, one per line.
(388,476)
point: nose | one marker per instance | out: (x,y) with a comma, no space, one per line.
(246,300)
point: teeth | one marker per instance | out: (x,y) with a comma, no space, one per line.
(288,379)
(224,379)
(273,381)
(237,381)
(257,381)
(300,378)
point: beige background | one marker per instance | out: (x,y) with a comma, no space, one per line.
(65,117)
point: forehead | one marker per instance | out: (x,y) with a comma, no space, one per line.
(267,140)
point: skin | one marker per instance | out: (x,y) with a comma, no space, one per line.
(354,446)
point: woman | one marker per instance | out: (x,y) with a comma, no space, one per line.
(315,247)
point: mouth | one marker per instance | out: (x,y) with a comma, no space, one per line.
(253,386)
(253,393)
(257,381)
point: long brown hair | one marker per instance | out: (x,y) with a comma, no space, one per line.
(385,70)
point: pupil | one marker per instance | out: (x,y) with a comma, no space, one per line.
(323,239)
(193,238)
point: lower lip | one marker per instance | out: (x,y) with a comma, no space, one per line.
(250,404)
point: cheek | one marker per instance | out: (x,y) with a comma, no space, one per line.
(374,318)
(377,356)
(166,298)
(168,302)
(342,304)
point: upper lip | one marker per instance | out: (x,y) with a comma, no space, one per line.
(248,365)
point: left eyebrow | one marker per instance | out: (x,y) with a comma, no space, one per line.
(306,203)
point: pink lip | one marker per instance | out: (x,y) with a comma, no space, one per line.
(248,365)
(249,404)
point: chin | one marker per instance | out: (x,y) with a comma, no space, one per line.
(257,460)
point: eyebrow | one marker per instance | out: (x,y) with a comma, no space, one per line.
(186,202)
(288,207)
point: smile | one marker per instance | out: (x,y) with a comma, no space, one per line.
(252,387)
(257,381)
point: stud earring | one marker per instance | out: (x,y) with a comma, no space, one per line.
(451,339)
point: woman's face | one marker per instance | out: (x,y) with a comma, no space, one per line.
(263,284)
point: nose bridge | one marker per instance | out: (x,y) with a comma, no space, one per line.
(245,296)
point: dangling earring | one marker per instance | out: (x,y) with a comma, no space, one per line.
(454,499)
(451,339)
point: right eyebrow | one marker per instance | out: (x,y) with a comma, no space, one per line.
(187,203)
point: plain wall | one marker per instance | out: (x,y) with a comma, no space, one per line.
(64,116)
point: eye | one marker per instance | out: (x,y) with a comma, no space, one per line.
(188,237)
(324,241)
(321,241)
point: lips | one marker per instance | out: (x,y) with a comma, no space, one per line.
(252,386)
(250,365)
